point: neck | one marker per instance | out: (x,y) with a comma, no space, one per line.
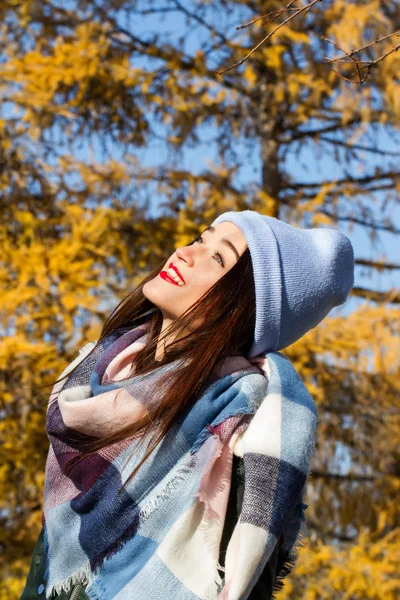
(162,344)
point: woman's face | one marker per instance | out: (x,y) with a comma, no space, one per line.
(201,264)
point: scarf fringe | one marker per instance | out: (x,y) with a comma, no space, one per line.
(82,575)
(288,564)
(215,588)
(116,546)
(154,503)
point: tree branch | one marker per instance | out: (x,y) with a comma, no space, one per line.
(357,180)
(201,21)
(392,296)
(314,474)
(303,197)
(362,222)
(276,14)
(367,64)
(381,266)
(353,59)
(298,135)
(359,147)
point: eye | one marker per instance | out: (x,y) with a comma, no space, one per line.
(199,238)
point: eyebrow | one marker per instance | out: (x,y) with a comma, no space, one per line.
(226,242)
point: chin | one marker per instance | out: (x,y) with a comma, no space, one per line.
(157,295)
(154,292)
(149,290)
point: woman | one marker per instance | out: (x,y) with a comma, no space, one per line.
(180,442)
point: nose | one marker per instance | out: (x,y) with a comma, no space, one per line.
(186,253)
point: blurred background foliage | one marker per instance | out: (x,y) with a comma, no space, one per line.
(118,142)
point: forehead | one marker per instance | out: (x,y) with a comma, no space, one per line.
(230,231)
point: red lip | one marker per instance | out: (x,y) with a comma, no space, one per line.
(172,266)
(164,275)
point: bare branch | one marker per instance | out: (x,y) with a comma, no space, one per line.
(361,65)
(296,12)
(358,49)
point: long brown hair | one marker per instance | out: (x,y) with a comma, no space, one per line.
(226,314)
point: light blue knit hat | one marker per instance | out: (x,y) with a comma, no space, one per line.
(299,276)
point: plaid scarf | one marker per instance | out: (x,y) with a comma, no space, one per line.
(160,538)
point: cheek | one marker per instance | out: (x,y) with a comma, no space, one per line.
(202,282)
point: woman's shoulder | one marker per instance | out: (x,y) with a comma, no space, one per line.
(285,380)
(269,375)
(246,378)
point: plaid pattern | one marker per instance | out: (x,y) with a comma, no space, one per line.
(159,539)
